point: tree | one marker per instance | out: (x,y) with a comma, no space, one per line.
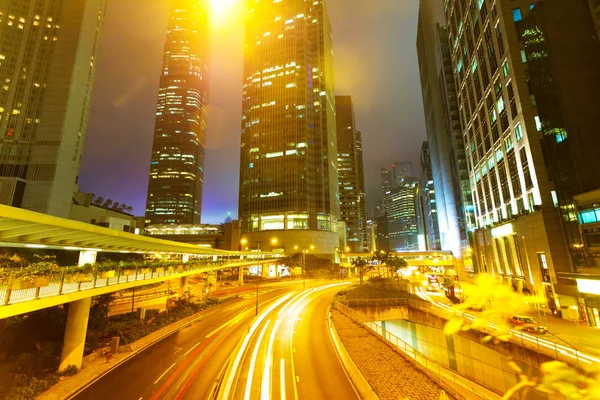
(107,203)
(116,206)
(99,201)
(129,209)
(361,264)
(394,264)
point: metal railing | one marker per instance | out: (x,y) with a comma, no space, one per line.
(15,290)
(395,302)
(540,345)
(452,381)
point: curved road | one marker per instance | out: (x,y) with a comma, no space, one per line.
(288,353)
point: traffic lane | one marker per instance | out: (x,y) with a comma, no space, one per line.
(137,375)
(319,371)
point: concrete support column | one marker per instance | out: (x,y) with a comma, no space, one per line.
(75,331)
(184,286)
(241,275)
(185,258)
(87,257)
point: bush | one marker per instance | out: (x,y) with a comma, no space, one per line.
(69,371)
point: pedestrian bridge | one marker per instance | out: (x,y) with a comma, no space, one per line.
(20,298)
(434,258)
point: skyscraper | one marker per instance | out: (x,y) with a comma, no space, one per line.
(401,170)
(563,56)
(353,208)
(519,232)
(439,133)
(177,164)
(387,180)
(288,170)
(47,67)
(401,210)
(429,209)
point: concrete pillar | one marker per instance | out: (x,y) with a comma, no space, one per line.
(184,287)
(241,275)
(75,331)
(87,257)
(185,258)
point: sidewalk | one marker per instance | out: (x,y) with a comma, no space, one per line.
(388,373)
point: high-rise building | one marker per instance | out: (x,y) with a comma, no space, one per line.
(563,57)
(440,134)
(353,208)
(48,63)
(177,163)
(401,210)
(288,170)
(400,171)
(519,235)
(429,205)
(387,180)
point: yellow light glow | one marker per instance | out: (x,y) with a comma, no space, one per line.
(224,11)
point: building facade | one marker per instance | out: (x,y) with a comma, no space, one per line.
(439,136)
(288,168)
(47,66)
(401,211)
(353,208)
(387,180)
(402,170)
(428,202)
(519,235)
(563,56)
(177,162)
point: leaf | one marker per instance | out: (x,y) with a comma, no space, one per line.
(453,326)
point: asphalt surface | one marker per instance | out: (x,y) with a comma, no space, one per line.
(190,360)
(288,352)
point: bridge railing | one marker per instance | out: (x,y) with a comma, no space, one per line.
(16,288)
(393,302)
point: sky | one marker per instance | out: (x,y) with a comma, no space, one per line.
(375,63)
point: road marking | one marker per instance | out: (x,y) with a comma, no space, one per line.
(178,350)
(253,361)
(282,378)
(164,373)
(218,329)
(297,379)
(188,352)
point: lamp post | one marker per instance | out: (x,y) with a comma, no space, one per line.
(244,242)
(304,250)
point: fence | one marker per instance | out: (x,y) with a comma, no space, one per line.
(15,290)
(452,381)
(402,301)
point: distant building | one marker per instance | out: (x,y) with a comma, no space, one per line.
(288,166)
(401,211)
(429,206)
(47,67)
(353,207)
(382,235)
(83,209)
(387,180)
(401,170)
(177,162)
(225,236)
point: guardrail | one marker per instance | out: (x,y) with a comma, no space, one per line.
(14,290)
(454,382)
(566,353)
(402,301)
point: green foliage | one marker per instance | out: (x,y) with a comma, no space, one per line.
(498,301)
(377,288)
(69,371)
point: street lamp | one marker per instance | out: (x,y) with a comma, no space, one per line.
(244,242)
(304,251)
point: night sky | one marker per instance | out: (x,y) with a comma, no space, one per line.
(375,63)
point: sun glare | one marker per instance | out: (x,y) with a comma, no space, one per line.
(221,8)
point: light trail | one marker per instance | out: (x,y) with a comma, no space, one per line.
(248,389)
(282,378)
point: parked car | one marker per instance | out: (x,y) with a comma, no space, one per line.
(527,324)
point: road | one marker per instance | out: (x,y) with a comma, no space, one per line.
(288,353)
(163,370)
(188,363)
